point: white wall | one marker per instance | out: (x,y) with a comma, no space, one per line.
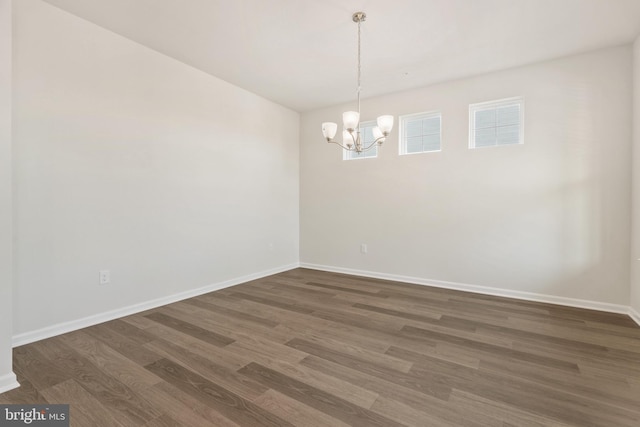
(550,217)
(635,253)
(130,161)
(7,378)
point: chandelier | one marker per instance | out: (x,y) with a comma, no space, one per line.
(351,138)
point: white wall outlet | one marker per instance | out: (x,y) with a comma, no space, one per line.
(363,248)
(271,247)
(105,277)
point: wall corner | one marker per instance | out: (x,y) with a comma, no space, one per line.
(7,377)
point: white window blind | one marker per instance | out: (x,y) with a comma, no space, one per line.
(420,133)
(366,135)
(496,123)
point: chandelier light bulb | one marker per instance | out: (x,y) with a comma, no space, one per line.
(350,120)
(329,130)
(385,123)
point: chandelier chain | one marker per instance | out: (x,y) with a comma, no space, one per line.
(359,66)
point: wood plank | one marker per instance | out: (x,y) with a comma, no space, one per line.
(122,344)
(163,421)
(208,369)
(40,372)
(230,312)
(190,329)
(125,405)
(295,411)
(345,289)
(218,354)
(84,409)
(382,358)
(510,415)
(132,332)
(325,402)
(224,325)
(411,416)
(23,395)
(110,361)
(186,409)
(434,388)
(490,348)
(229,404)
(548,402)
(273,302)
(359,396)
(396,397)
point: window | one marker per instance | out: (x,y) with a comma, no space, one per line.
(366,135)
(496,123)
(420,133)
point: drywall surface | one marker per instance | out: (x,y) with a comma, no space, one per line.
(7,378)
(549,217)
(635,212)
(132,162)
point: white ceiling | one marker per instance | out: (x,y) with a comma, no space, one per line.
(302,53)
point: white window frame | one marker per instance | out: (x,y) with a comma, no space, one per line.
(473,108)
(402,150)
(351,155)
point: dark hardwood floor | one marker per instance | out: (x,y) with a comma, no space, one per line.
(310,348)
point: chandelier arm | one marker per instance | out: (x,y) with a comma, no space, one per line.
(337,143)
(355,135)
(370,146)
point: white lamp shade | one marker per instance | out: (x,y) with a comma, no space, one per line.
(350,119)
(347,140)
(377,133)
(329,129)
(385,123)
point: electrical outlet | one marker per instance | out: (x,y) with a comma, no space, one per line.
(105,277)
(363,248)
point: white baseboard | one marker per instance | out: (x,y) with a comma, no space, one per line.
(634,315)
(8,382)
(62,328)
(528,296)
